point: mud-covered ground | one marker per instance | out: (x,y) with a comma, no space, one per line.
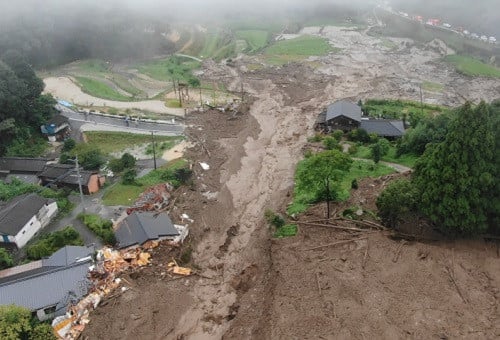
(251,286)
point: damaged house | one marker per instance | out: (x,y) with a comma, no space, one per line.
(48,286)
(346,116)
(25,169)
(141,227)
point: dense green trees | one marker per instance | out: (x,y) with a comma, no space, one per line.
(6,260)
(22,107)
(456,182)
(16,323)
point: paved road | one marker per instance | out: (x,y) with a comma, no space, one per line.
(398,167)
(96,122)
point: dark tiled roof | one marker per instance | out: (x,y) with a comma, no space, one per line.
(16,213)
(47,282)
(343,108)
(22,164)
(140,227)
(54,171)
(383,127)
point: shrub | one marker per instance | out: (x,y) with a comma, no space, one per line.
(331,143)
(129,176)
(101,227)
(115,165)
(128,160)
(354,184)
(69,144)
(316,138)
(51,242)
(337,134)
(396,201)
(5,259)
(274,219)
(286,231)
(359,135)
(353,149)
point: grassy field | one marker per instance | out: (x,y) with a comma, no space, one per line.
(432,87)
(255,39)
(123,83)
(109,142)
(399,109)
(170,68)
(285,51)
(406,160)
(121,194)
(359,169)
(98,89)
(473,67)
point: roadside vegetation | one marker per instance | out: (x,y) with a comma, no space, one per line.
(49,243)
(101,227)
(176,173)
(109,142)
(473,67)
(284,51)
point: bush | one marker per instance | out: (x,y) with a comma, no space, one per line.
(396,202)
(51,242)
(331,143)
(337,134)
(359,135)
(129,176)
(17,323)
(128,161)
(286,231)
(354,184)
(5,259)
(316,138)
(274,219)
(115,165)
(101,227)
(353,149)
(69,144)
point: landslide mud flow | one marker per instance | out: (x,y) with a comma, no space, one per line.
(252,287)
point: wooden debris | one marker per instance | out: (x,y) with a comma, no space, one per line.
(331,226)
(363,264)
(452,278)
(317,281)
(337,243)
(398,251)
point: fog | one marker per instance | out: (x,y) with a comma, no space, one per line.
(51,32)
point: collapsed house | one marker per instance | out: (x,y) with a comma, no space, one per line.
(48,286)
(141,227)
(66,176)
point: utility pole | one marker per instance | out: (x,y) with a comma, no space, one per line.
(79,183)
(180,94)
(154,150)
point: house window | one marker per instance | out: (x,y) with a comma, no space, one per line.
(50,310)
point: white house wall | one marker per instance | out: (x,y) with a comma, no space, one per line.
(35,224)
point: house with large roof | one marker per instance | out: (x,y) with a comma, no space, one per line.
(24,168)
(48,286)
(346,116)
(141,227)
(66,175)
(23,217)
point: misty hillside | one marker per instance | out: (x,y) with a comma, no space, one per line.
(482,17)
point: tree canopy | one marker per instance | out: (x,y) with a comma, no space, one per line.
(458,179)
(16,323)
(22,107)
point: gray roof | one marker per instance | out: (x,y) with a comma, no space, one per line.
(383,127)
(22,164)
(16,213)
(140,227)
(57,120)
(53,171)
(343,108)
(47,285)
